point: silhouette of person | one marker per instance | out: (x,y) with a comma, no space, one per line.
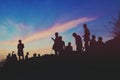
(38,55)
(78,42)
(34,55)
(86,36)
(61,45)
(20,47)
(100,48)
(93,42)
(68,48)
(55,45)
(27,54)
(8,56)
(14,57)
(100,43)
(8,59)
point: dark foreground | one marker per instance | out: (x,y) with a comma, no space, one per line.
(53,67)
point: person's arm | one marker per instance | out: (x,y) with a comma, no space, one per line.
(17,46)
(23,45)
(64,44)
(52,38)
(71,48)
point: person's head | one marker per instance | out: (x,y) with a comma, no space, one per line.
(93,37)
(69,43)
(100,38)
(60,37)
(56,34)
(34,55)
(9,54)
(13,52)
(84,25)
(38,55)
(74,34)
(19,41)
(27,53)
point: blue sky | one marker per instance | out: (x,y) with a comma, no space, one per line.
(20,19)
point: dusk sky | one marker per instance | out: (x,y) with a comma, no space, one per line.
(36,21)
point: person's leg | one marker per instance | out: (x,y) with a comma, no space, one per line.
(86,45)
(22,56)
(79,50)
(55,52)
(19,57)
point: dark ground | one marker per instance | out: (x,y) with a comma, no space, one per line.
(53,67)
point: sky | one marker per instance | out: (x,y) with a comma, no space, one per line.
(36,21)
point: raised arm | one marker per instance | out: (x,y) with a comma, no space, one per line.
(52,38)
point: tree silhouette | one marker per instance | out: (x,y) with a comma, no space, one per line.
(114,26)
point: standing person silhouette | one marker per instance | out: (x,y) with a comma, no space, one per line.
(100,48)
(100,43)
(78,42)
(55,45)
(93,46)
(86,36)
(93,42)
(20,48)
(61,46)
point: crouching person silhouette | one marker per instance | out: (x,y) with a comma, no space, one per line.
(20,48)
(78,42)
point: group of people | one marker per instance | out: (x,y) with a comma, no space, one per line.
(12,58)
(59,45)
(60,48)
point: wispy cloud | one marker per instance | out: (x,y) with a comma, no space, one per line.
(4,30)
(58,27)
(21,29)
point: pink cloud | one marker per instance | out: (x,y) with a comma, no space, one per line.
(58,27)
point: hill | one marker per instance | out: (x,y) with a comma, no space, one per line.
(52,67)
